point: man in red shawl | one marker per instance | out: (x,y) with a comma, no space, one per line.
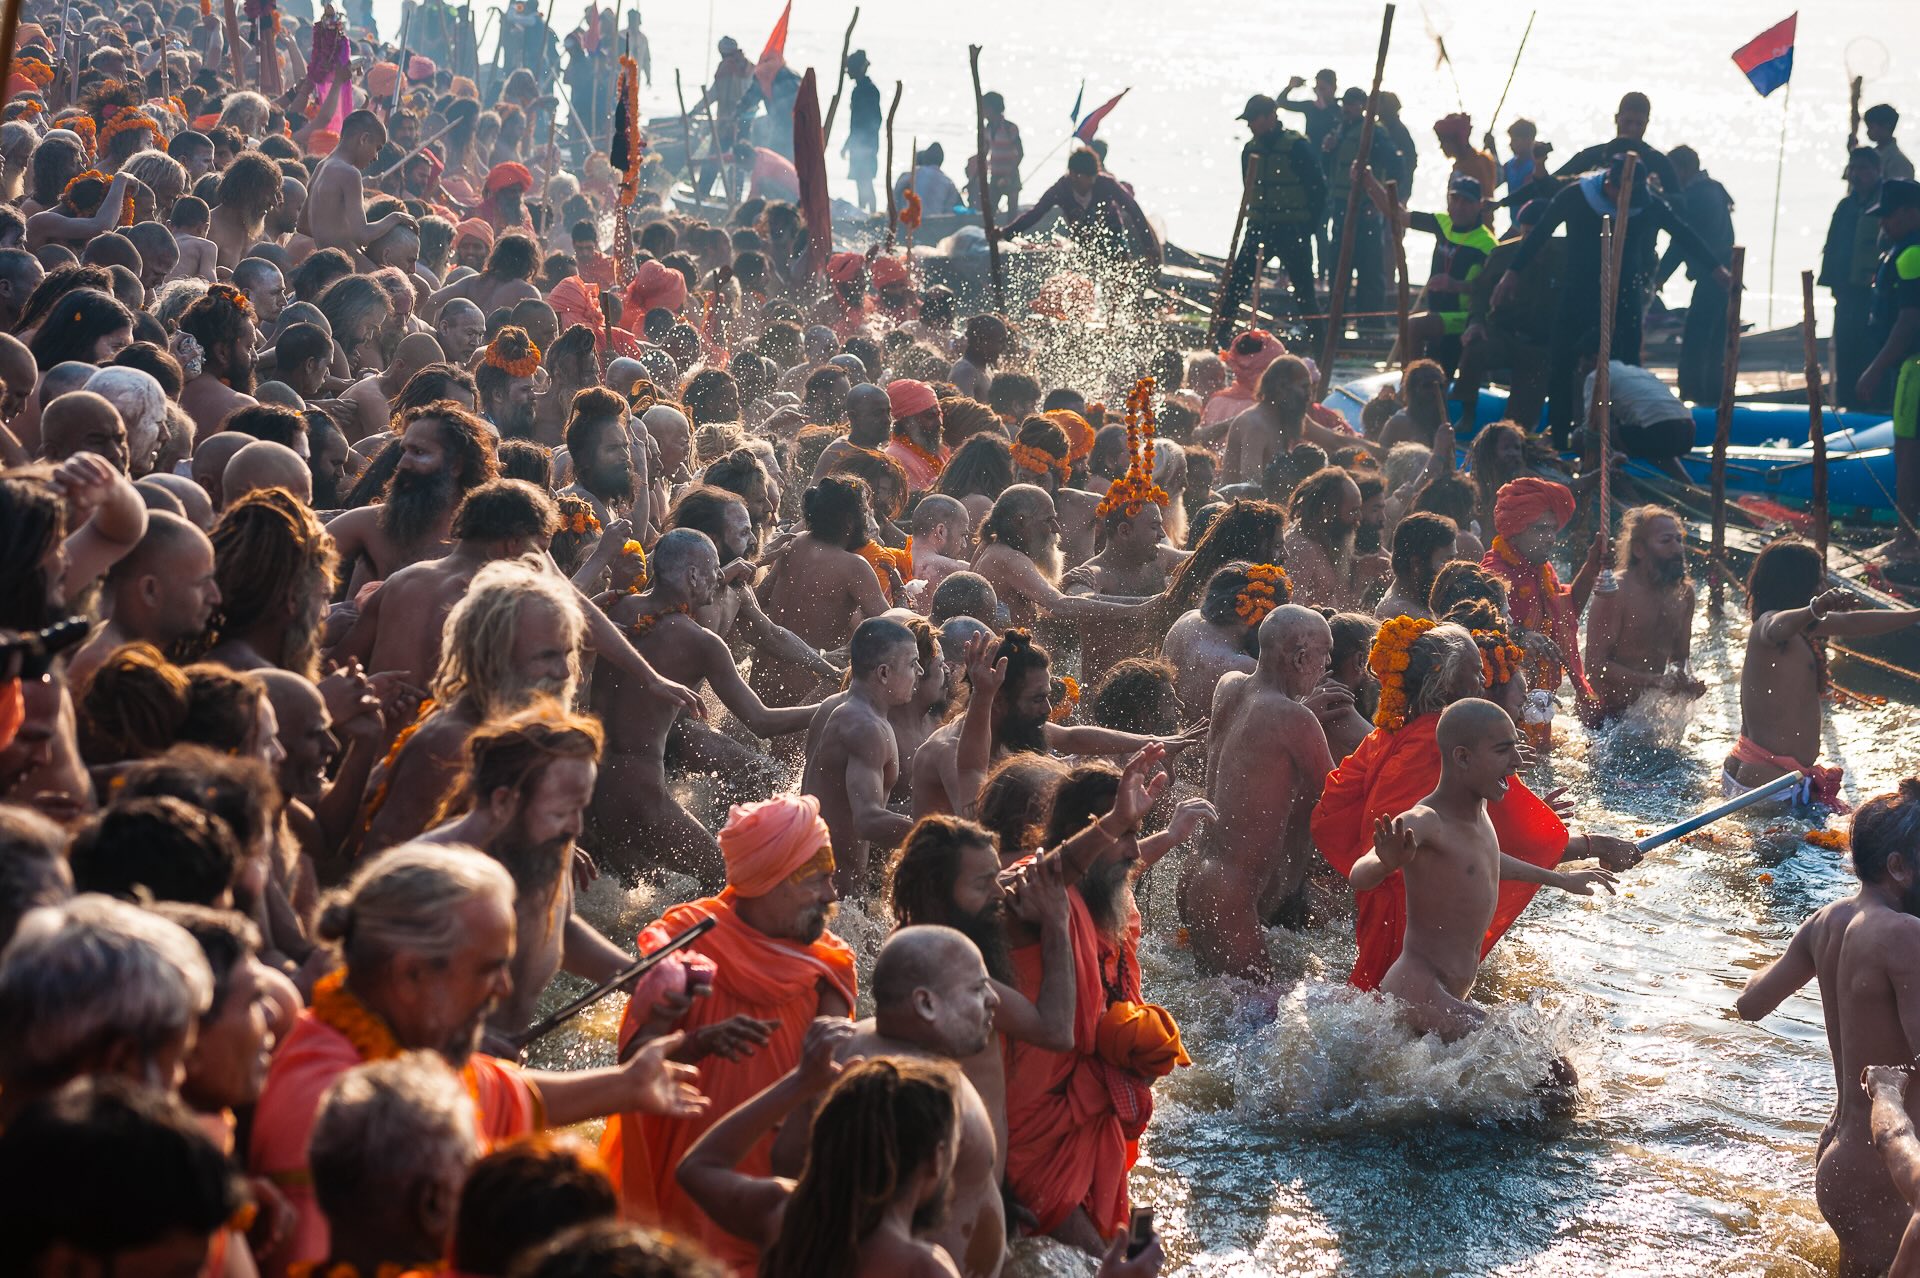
(847,277)
(501,207)
(1528,515)
(1423,668)
(744,998)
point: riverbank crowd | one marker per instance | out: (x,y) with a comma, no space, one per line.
(415,509)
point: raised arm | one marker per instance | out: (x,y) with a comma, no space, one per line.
(1773,984)
(1394,846)
(115,519)
(49,225)
(1039,897)
(1141,783)
(973,756)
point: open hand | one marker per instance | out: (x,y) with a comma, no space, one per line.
(686,697)
(1141,782)
(1393,841)
(1191,735)
(985,674)
(1187,816)
(662,1086)
(1582,882)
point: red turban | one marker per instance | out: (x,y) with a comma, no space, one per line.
(909,398)
(474,228)
(1456,128)
(843,268)
(1522,502)
(764,844)
(502,176)
(656,286)
(888,271)
(1246,367)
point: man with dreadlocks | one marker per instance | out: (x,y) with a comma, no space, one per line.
(1266,762)
(274,565)
(89,205)
(1219,635)
(1639,636)
(609,470)
(215,347)
(249,190)
(1323,523)
(446,453)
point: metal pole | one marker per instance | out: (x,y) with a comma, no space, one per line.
(1786,781)
(1816,434)
(1337,297)
(1779,170)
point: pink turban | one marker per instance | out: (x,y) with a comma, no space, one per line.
(1454,128)
(909,398)
(1247,366)
(576,302)
(380,79)
(420,68)
(656,286)
(843,268)
(1522,502)
(473,228)
(765,843)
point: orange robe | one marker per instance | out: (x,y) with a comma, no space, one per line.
(313,1056)
(1386,774)
(1072,1118)
(760,976)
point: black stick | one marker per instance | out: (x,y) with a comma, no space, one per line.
(612,983)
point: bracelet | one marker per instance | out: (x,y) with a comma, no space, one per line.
(1586,845)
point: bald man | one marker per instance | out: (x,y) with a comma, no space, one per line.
(942,539)
(1267,761)
(265,464)
(20,375)
(162,593)
(159,253)
(461,327)
(933,1000)
(372,397)
(83,422)
(193,499)
(869,426)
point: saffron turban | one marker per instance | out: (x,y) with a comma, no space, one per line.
(473,228)
(888,271)
(1522,502)
(909,398)
(576,302)
(655,286)
(1247,367)
(1078,429)
(1141,1037)
(380,79)
(765,843)
(420,68)
(843,268)
(502,176)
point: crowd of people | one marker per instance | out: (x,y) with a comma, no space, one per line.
(403,531)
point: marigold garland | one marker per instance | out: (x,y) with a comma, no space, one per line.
(1388,660)
(83,125)
(1501,659)
(39,73)
(910,209)
(129,121)
(1132,491)
(582,523)
(1069,700)
(1262,593)
(233,297)
(633,559)
(526,366)
(378,798)
(931,461)
(336,1007)
(642,625)
(1831,840)
(1031,457)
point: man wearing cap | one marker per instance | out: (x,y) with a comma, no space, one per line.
(1320,116)
(1339,150)
(1288,192)
(1895,322)
(916,442)
(1580,207)
(1461,246)
(744,994)
(1881,120)
(1847,264)
(862,147)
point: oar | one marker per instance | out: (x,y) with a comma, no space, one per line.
(1747,800)
(612,983)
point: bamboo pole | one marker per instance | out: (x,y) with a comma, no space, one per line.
(1233,252)
(839,84)
(1337,297)
(397,165)
(1816,434)
(1613,244)
(1723,424)
(9,30)
(893,210)
(686,125)
(726,172)
(1403,303)
(986,183)
(230,19)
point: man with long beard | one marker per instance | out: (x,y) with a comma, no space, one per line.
(446,452)
(1639,637)
(215,347)
(505,382)
(1323,520)
(273,564)
(1020,556)
(609,472)
(1282,415)
(529,779)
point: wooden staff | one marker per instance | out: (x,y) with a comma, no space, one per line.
(1613,243)
(1723,422)
(686,122)
(1853,112)
(1233,252)
(9,29)
(231,21)
(986,182)
(1337,299)
(400,163)
(893,211)
(913,173)
(1404,302)
(846,43)
(726,173)
(1816,434)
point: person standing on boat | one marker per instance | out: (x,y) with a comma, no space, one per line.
(1895,322)
(1462,245)
(1005,152)
(1705,206)
(730,80)
(1847,265)
(1319,118)
(1284,206)
(862,147)
(1881,120)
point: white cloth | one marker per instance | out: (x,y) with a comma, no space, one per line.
(1639,398)
(936,190)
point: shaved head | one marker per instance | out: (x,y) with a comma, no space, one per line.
(1291,625)
(265,464)
(936,509)
(417,350)
(191,496)
(1470,721)
(916,958)
(931,989)
(869,415)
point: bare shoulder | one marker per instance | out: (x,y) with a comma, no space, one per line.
(439,741)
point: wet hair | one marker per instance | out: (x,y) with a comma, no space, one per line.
(467,440)
(879,472)
(1461,579)
(171,849)
(76,326)
(523,459)
(593,410)
(250,180)
(1011,390)
(1437,662)
(313,277)
(56,284)
(1083,795)
(132,706)
(432,384)
(1014,799)
(522,1195)
(1485,471)
(1414,541)
(1884,825)
(1353,634)
(702,508)
(350,302)
(514,257)
(880,1123)
(505,509)
(873,640)
(223,707)
(272,559)
(738,471)
(920,879)
(835,510)
(1220,603)
(271,422)
(238,789)
(1452,495)
(982,465)
(1137,695)
(1247,530)
(1023,656)
(704,393)
(1786,574)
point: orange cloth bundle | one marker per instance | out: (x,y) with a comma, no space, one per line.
(1142,1037)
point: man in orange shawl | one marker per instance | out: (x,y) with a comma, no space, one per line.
(744,1000)
(1395,768)
(427,935)
(1528,514)
(501,207)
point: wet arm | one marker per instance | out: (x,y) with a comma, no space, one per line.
(1866,621)
(334,811)
(743,701)
(769,638)
(357,643)
(588,954)
(1893,1136)
(1514,870)
(1768,988)
(1087,739)
(748,1207)
(49,225)
(866,782)
(973,757)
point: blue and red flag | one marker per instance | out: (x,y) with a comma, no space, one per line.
(1091,125)
(1767,59)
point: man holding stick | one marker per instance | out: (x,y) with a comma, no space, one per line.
(1286,199)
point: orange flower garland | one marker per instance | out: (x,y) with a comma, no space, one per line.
(1069,700)
(931,461)
(1262,593)
(130,121)
(582,523)
(1501,659)
(1133,490)
(1388,660)
(633,560)
(1039,461)
(83,125)
(525,366)
(910,209)
(39,73)
(642,625)
(336,1007)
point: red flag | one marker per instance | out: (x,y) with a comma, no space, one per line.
(1090,125)
(810,163)
(774,56)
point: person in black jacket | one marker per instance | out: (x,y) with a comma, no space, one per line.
(1289,193)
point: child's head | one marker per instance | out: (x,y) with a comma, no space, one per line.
(189,214)
(1479,748)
